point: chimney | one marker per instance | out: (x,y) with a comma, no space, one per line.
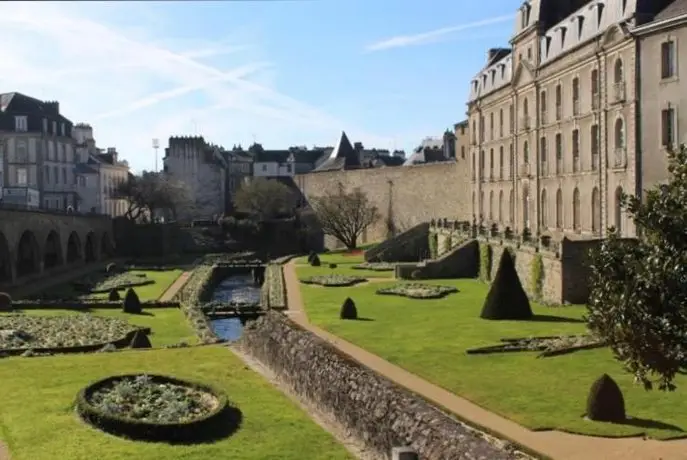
(53,107)
(358,146)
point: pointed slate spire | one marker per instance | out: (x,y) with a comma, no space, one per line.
(344,150)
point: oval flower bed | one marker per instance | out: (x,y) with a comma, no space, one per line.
(333,280)
(155,408)
(376,266)
(418,291)
(23,332)
(121,281)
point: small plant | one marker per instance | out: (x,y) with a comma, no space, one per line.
(605,402)
(311,256)
(140,340)
(485,258)
(332,266)
(5,302)
(537,276)
(114,296)
(132,304)
(349,310)
(315,261)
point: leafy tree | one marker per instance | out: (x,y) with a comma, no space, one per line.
(345,216)
(153,191)
(638,300)
(265,199)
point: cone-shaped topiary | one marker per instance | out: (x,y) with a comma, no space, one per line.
(132,304)
(311,256)
(332,266)
(140,340)
(605,402)
(315,261)
(5,302)
(506,298)
(348,309)
(114,296)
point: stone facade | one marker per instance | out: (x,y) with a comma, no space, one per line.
(372,408)
(554,120)
(33,244)
(406,196)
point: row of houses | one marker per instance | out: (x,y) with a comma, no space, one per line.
(47,162)
(213,174)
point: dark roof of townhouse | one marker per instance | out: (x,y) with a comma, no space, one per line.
(83,168)
(428,154)
(15,102)
(106,158)
(344,156)
(674,9)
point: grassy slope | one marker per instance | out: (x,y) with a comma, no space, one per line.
(37,417)
(429,338)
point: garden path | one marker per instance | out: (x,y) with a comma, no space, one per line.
(176,286)
(553,444)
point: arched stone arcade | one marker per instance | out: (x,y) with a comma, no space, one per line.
(28,255)
(90,248)
(6,264)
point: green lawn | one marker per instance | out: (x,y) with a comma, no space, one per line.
(429,338)
(38,422)
(163,280)
(344,262)
(169,325)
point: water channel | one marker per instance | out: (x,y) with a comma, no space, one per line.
(235,288)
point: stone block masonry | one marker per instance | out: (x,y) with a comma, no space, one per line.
(405,196)
(374,409)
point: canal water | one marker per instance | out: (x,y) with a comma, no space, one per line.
(236,288)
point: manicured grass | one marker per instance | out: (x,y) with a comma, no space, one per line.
(430,337)
(38,422)
(306,271)
(169,325)
(163,280)
(340,256)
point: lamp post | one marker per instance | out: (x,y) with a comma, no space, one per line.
(156,145)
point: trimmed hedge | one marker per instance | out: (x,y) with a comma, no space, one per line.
(485,261)
(85,304)
(218,423)
(273,291)
(124,342)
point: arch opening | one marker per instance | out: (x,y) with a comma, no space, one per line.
(28,254)
(90,248)
(52,253)
(5,261)
(106,248)
(576,209)
(73,248)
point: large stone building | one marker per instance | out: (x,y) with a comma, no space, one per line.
(553,119)
(203,168)
(98,172)
(37,153)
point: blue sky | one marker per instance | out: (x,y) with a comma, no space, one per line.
(278,72)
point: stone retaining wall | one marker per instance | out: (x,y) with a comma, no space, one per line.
(459,262)
(374,409)
(409,246)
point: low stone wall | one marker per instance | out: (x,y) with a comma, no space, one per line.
(459,262)
(371,407)
(409,246)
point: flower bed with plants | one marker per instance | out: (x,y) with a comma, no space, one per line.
(418,291)
(376,266)
(70,333)
(155,408)
(333,280)
(118,281)
(548,345)
(84,304)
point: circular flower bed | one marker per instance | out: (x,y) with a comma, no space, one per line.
(376,266)
(23,332)
(334,280)
(418,291)
(548,346)
(156,408)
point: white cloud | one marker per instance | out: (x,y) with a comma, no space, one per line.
(433,36)
(135,87)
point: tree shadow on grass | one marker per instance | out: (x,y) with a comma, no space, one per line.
(555,319)
(650,424)
(143,313)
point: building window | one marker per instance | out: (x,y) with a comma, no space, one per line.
(62,129)
(462,152)
(576,149)
(21,123)
(510,161)
(56,174)
(618,72)
(264,168)
(668,127)
(542,155)
(501,163)
(525,152)
(668,59)
(501,123)
(64,176)
(594,133)
(559,152)
(22,152)
(491,163)
(559,209)
(491,205)
(22,176)
(544,210)
(542,108)
(576,95)
(596,210)
(511,118)
(46,173)
(576,209)
(491,125)
(45,125)
(619,210)
(54,128)
(559,102)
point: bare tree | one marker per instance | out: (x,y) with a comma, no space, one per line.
(153,191)
(265,198)
(345,216)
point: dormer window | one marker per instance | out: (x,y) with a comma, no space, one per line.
(599,6)
(493,76)
(503,70)
(484,80)
(547,44)
(580,26)
(524,15)
(563,30)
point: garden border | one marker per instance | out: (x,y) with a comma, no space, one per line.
(448,290)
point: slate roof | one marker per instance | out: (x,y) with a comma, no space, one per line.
(15,102)
(673,10)
(83,168)
(344,156)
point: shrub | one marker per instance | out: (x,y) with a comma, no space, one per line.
(348,309)
(485,259)
(537,276)
(332,266)
(506,298)
(605,402)
(315,261)
(140,340)
(311,256)
(114,296)
(448,243)
(132,304)
(5,302)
